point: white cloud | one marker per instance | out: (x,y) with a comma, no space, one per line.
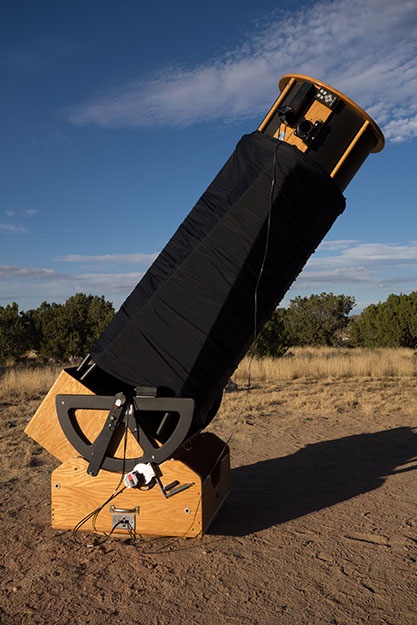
(15,228)
(374,266)
(333,246)
(22,284)
(370,253)
(27,273)
(370,271)
(324,276)
(12,229)
(113,281)
(365,49)
(31,212)
(134,258)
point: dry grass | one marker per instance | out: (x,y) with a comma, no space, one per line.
(19,382)
(324,363)
(327,362)
(324,399)
(325,385)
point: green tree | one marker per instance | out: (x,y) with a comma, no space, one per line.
(272,341)
(65,331)
(392,323)
(49,331)
(14,336)
(86,317)
(318,319)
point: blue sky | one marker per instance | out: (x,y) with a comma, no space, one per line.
(115,117)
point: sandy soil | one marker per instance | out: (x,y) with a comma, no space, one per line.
(320,528)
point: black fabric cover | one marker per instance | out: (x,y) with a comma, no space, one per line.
(190,320)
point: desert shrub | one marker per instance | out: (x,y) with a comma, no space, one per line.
(14,333)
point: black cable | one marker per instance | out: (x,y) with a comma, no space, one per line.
(261,271)
(94,513)
(255,322)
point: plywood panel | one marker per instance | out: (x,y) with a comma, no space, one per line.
(45,429)
(44,426)
(75,494)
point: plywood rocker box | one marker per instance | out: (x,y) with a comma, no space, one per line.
(128,423)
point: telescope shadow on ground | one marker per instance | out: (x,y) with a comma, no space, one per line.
(317,476)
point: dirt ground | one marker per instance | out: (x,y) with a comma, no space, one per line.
(320,528)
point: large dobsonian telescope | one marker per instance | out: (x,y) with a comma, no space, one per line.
(128,423)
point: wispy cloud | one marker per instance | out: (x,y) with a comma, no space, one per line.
(31,212)
(113,284)
(134,258)
(16,228)
(112,281)
(27,273)
(365,49)
(372,270)
(375,267)
(25,283)
(333,246)
(12,229)
(382,253)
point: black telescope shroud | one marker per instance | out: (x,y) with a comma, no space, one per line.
(195,313)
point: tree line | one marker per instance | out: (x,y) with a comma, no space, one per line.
(61,332)
(58,332)
(325,320)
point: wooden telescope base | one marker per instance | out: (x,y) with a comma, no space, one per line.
(200,484)
(192,487)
